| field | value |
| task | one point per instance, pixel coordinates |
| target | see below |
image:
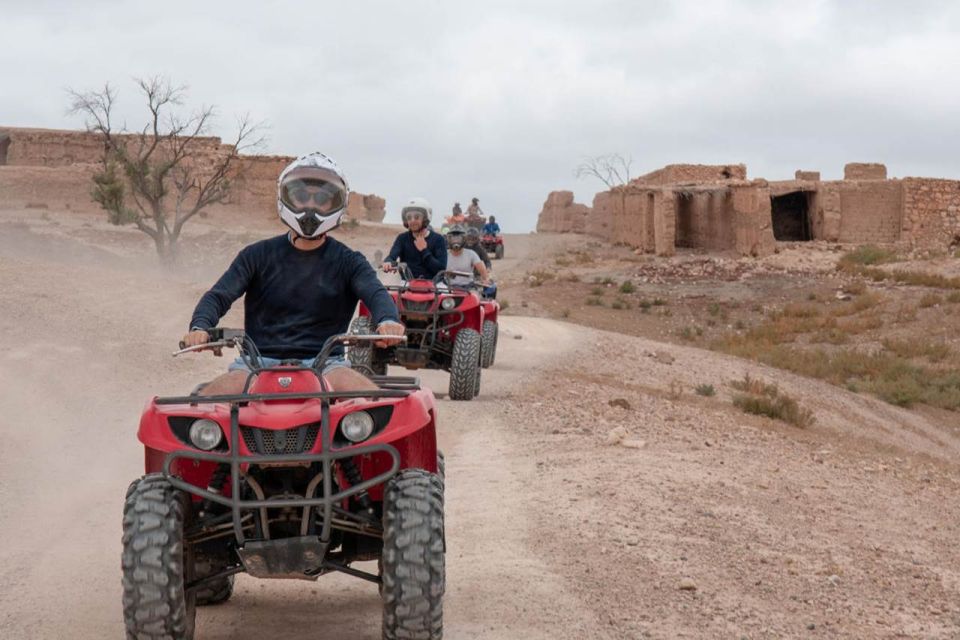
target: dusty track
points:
(847, 526)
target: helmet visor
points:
(313, 194)
(411, 213)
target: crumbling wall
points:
(864, 171)
(825, 213)
(560, 214)
(870, 211)
(931, 212)
(705, 219)
(693, 173)
(369, 207)
(59, 188)
(600, 221)
(811, 176)
(753, 222)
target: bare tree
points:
(161, 176)
(612, 169)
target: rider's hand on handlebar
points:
(198, 337)
(389, 329)
(195, 337)
(388, 267)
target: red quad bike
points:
(287, 479)
(493, 244)
(444, 330)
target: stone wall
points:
(560, 214)
(870, 211)
(48, 168)
(864, 171)
(366, 207)
(931, 212)
(693, 173)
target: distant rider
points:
(457, 211)
(474, 244)
(301, 287)
(491, 228)
(459, 258)
(423, 250)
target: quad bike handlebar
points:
(236, 338)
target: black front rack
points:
(390, 387)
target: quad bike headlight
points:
(357, 426)
(205, 434)
(448, 303)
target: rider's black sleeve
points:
(484, 256)
(396, 249)
(232, 284)
(367, 287)
(435, 255)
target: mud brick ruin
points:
(53, 169)
(715, 207)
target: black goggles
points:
(313, 195)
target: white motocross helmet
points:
(312, 195)
(417, 205)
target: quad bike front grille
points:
(414, 305)
(280, 442)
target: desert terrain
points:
(605, 484)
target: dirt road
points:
(716, 525)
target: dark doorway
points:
(684, 228)
(4, 145)
(791, 217)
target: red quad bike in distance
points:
(445, 325)
(493, 244)
(287, 479)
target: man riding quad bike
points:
(289, 478)
(492, 240)
(449, 323)
(291, 464)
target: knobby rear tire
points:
(465, 365)
(490, 335)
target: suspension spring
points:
(352, 474)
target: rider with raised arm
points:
(460, 258)
(423, 250)
(301, 287)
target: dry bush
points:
(865, 256)
(953, 297)
(705, 390)
(930, 300)
(627, 287)
(537, 278)
(932, 351)
(765, 399)
(856, 288)
(594, 302)
(859, 304)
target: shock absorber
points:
(352, 474)
(217, 479)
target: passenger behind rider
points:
(301, 287)
(475, 217)
(491, 228)
(423, 250)
(457, 211)
(459, 258)
(474, 244)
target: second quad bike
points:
(493, 244)
(444, 327)
(287, 479)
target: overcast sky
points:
(501, 100)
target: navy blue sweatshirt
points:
(295, 299)
(422, 264)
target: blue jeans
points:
(333, 362)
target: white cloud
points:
(501, 99)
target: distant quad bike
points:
(446, 328)
(287, 479)
(493, 243)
